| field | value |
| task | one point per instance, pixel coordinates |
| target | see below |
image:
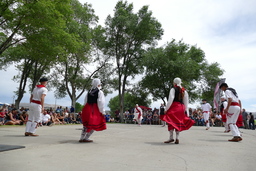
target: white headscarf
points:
(177, 81)
(95, 83)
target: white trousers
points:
(232, 116)
(206, 119)
(137, 119)
(33, 117)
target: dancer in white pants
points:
(36, 107)
(232, 110)
(206, 110)
(138, 114)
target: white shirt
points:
(37, 93)
(229, 94)
(206, 107)
(171, 98)
(46, 118)
(100, 101)
(138, 110)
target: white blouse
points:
(171, 98)
(100, 101)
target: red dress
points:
(176, 117)
(91, 116)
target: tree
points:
(31, 21)
(33, 36)
(78, 107)
(128, 34)
(72, 76)
(177, 59)
(210, 77)
(130, 99)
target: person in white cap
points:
(176, 111)
(206, 110)
(138, 114)
(93, 112)
(36, 107)
(232, 110)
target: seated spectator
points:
(155, 118)
(46, 119)
(65, 115)
(10, 118)
(2, 116)
(149, 118)
(55, 119)
(111, 119)
(212, 118)
(68, 118)
(57, 110)
(23, 117)
(78, 118)
(60, 117)
(73, 118)
(218, 120)
(22, 109)
(107, 117)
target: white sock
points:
(83, 133)
(177, 134)
(88, 134)
(171, 134)
(28, 126)
(33, 127)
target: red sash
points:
(36, 101)
(40, 86)
(139, 113)
(234, 104)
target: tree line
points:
(61, 39)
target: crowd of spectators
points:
(150, 117)
(9, 115)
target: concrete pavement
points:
(127, 147)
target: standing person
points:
(232, 110)
(175, 109)
(162, 109)
(223, 115)
(245, 118)
(36, 107)
(251, 122)
(138, 114)
(93, 112)
(206, 109)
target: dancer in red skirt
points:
(175, 115)
(93, 112)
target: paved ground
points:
(127, 147)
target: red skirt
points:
(239, 122)
(176, 117)
(92, 119)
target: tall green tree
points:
(128, 34)
(178, 59)
(130, 99)
(33, 36)
(72, 76)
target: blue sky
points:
(224, 30)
